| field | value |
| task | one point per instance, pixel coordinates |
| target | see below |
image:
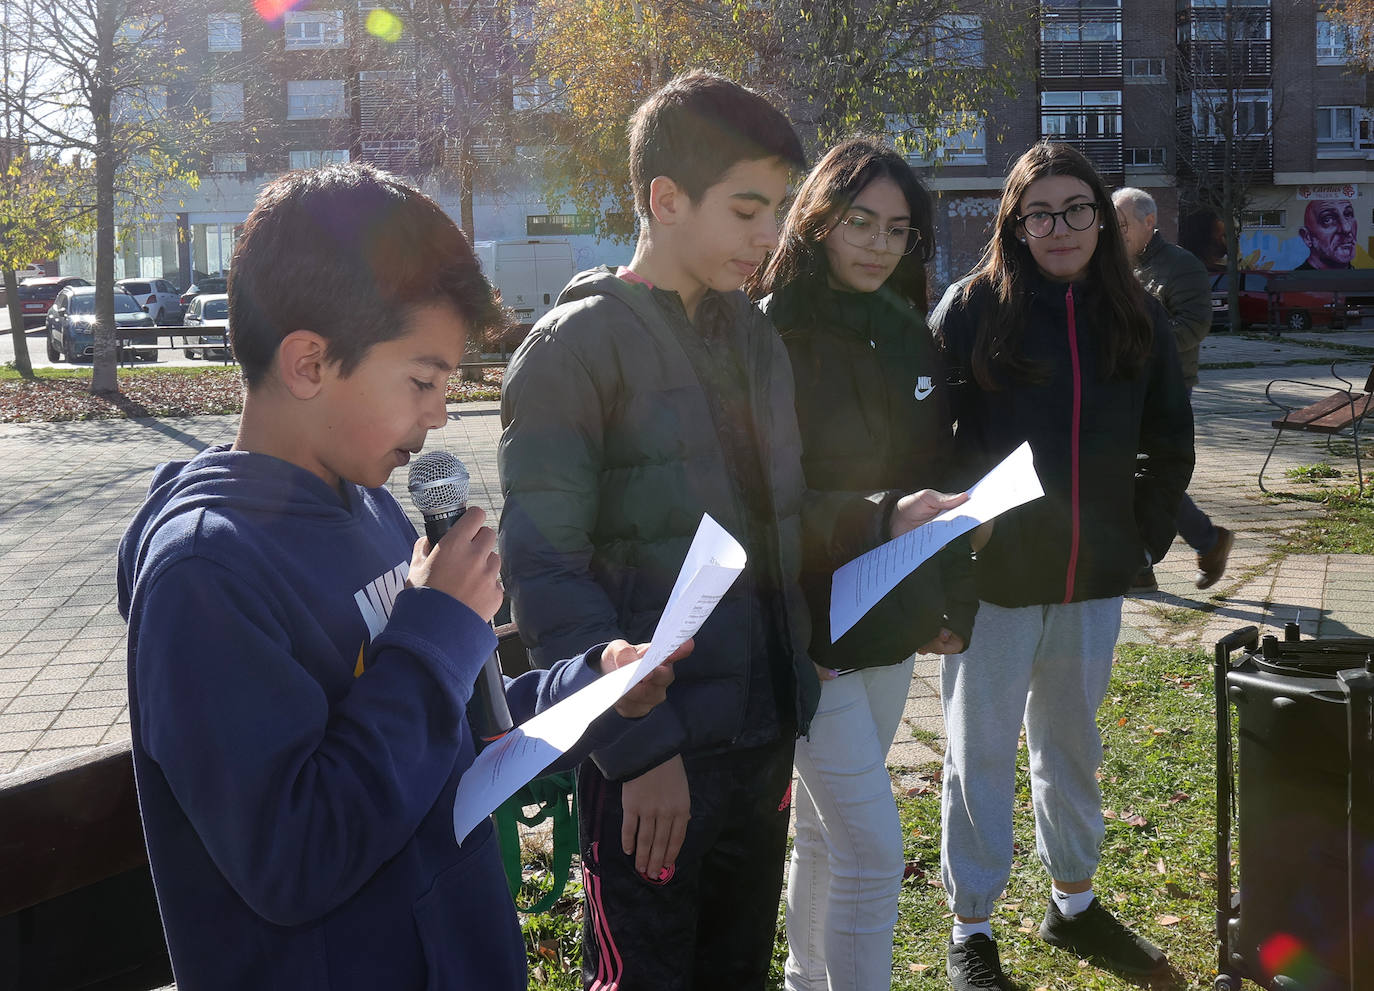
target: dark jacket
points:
(1112, 487)
(611, 452)
(298, 729)
(1183, 287)
(873, 408)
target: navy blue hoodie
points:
(298, 734)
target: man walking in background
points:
(1182, 285)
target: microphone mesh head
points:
(438, 483)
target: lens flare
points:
(1285, 954)
(273, 10)
(384, 24)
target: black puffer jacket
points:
(1112, 487)
(873, 408)
(611, 452)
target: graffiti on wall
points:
(1326, 234)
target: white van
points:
(529, 273)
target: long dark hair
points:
(826, 193)
(1115, 299)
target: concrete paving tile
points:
(75, 736)
(45, 684)
(118, 733)
(22, 674)
(19, 739)
(37, 758)
(39, 703)
(91, 699)
(14, 722)
(108, 682)
(103, 716)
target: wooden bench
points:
(77, 908)
(1340, 410)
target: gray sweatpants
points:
(1049, 665)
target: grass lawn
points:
(1158, 785)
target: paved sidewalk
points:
(67, 491)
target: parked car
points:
(211, 312)
(71, 321)
(157, 296)
(1296, 310)
(37, 295)
(210, 283)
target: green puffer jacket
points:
(609, 456)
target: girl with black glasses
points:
(848, 294)
(1056, 344)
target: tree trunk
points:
(21, 340)
(104, 377)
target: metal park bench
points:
(1339, 410)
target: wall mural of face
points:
(1329, 230)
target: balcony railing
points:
(1104, 153)
(1203, 155)
(1248, 63)
(1076, 59)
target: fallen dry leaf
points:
(1167, 920)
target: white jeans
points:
(847, 861)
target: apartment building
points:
(281, 86)
(1170, 96)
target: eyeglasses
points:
(1078, 217)
(860, 232)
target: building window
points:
(152, 30)
(314, 99)
(1223, 25)
(959, 139)
(138, 103)
(313, 159)
(226, 102)
(522, 26)
(225, 32)
(1250, 115)
(957, 39)
(229, 161)
(1264, 219)
(534, 94)
(1336, 128)
(1144, 68)
(314, 29)
(1089, 114)
(1142, 158)
(1333, 42)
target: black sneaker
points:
(1099, 937)
(974, 966)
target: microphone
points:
(438, 484)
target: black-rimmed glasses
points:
(860, 232)
(1078, 217)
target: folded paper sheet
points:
(713, 562)
(857, 586)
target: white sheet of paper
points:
(714, 560)
(857, 586)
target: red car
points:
(36, 295)
(1296, 310)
